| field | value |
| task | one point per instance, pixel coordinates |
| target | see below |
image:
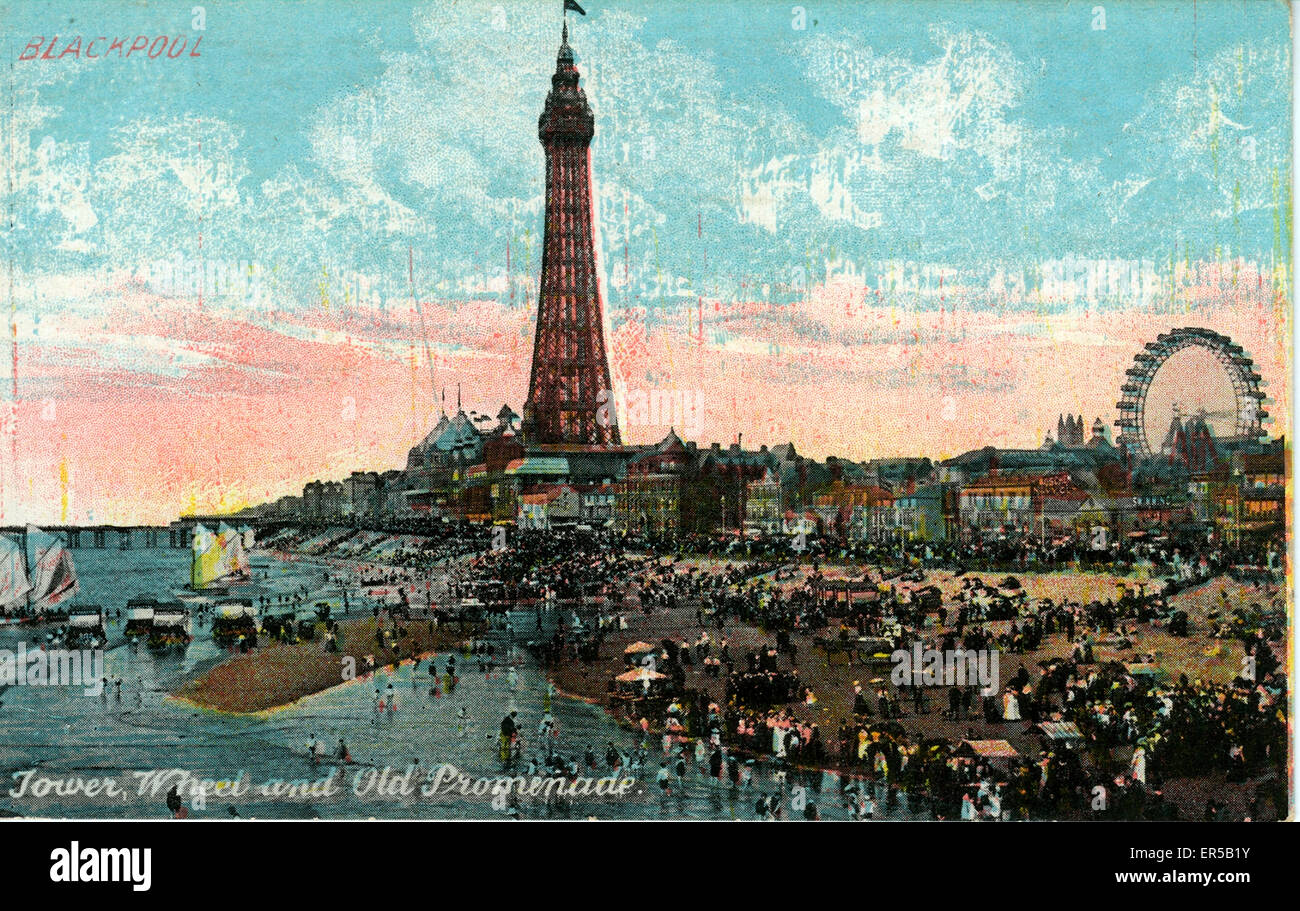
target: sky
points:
(273, 241)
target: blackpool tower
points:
(570, 399)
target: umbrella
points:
(638, 648)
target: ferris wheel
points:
(1248, 415)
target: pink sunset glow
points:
(143, 407)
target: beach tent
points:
(1060, 730)
(987, 749)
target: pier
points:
(119, 537)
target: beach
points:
(275, 675)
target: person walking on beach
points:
(418, 774)
(175, 805)
(509, 728)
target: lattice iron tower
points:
(570, 399)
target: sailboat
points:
(36, 574)
(217, 556)
(14, 584)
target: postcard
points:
(604, 409)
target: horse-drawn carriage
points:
(170, 630)
(139, 616)
(847, 597)
(280, 627)
(234, 620)
(869, 650)
(86, 628)
(929, 599)
(471, 610)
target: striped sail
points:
(233, 560)
(53, 577)
(14, 584)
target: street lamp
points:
(740, 480)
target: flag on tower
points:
(573, 5)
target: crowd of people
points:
(1133, 731)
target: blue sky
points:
(338, 135)
(901, 228)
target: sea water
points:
(66, 754)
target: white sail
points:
(224, 540)
(233, 560)
(249, 538)
(14, 584)
(217, 555)
(206, 557)
(53, 577)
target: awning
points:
(539, 466)
(1061, 730)
(637, 675)
(989, 749)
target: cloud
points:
(1220, 145)
(836, 214)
